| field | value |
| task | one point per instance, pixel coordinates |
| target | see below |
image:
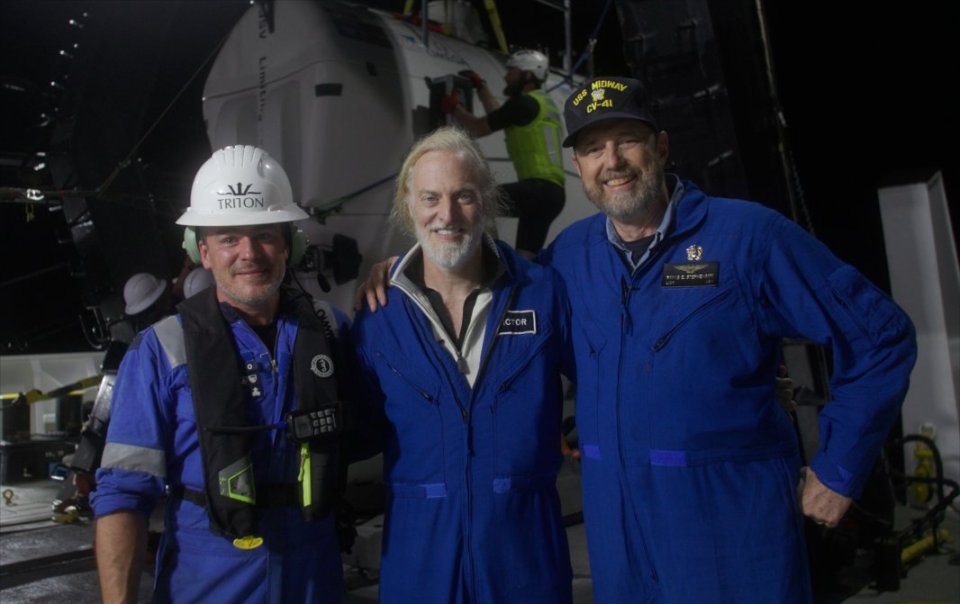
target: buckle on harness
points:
(248, 542)
(307, 426)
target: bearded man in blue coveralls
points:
(464, 368)
(679, 303)
(693, 489)
(200, 407)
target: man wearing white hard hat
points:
(231, 407)
(196, 281)
(146, 299)
(531, 122)
(141, 291)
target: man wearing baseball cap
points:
(679, 303)
(693, 489)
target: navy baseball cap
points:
(605, 99)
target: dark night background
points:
(867, 92)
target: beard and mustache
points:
(515, 89)
(252, 294)
(449, 255)
(628, 204)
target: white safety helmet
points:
(530, 60)
(240, 186)
(196, 281)
(140, 291)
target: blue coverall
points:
(473, 515)
(152, 443)
(690, 466)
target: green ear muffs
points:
(296, 242)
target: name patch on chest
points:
(517, 322)
(691, 274)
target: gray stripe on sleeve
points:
(135, 459)
(170, 334)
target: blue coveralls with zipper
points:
(471, 448)
(690, 466)
(152, 445)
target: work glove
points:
(448, 104)
(474, 78)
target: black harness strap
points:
(223, 425)
(219, 402)
(271, 495)
(316, 387)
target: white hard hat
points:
(196, 280)
(530, 60)
(240, 186)
(142, 290)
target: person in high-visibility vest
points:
(534, 129)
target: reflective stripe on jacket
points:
(152, 443)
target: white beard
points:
(448, 255)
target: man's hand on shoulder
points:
(374, 289)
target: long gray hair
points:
(456, 141)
